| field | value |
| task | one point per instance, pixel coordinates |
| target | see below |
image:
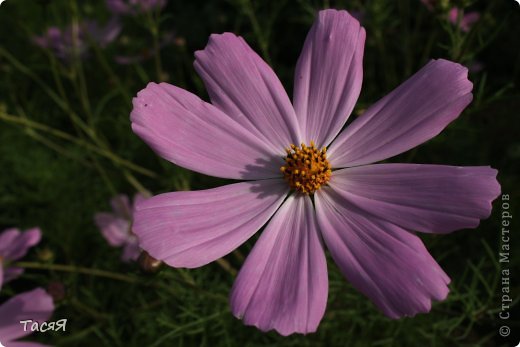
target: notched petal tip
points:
(421, 197)
(495, 189)
(212, 46)
(459, 72)
(141, 101)
(335, 12)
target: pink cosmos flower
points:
(13, 246)
(309, 198)
(116, 227)
(35, 305)
(466, 21)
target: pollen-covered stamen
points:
(306, 168)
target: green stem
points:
(77, 269)
(113, 276)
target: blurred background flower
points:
(455, 15)
(35, 305)
(116, 227)
(465, 21)
(14, 245)
(133, 7)
(73, 41)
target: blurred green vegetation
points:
(66, 148)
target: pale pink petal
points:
(413, 113)
(328, 75)
(35, 305)
(428, 198)
(114, 229)
(7, 238)
(196, 135)
(467, 20)
(388, 264)
(16, 244)
(242, 85)
(10, 274)
(453, 15)
(131, 250)
(191, 229)
(283, 284)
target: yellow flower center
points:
(306, 168)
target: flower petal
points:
(114, 229)
(193, 134)
(7, 237)
(283, 284)
(242, 85)
(15, 244)
(191, 229)
(428, 198)
(329, 75)
(385, 262)
(131, 250)
(413, 113)
(35, 305)
(10, 274)
(138, 198)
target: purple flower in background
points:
(35, 305)
(116, 227)
(13, 246)
(133, 7)
(311, 183)
(102, 35)
(467, 20)
(74, 40)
